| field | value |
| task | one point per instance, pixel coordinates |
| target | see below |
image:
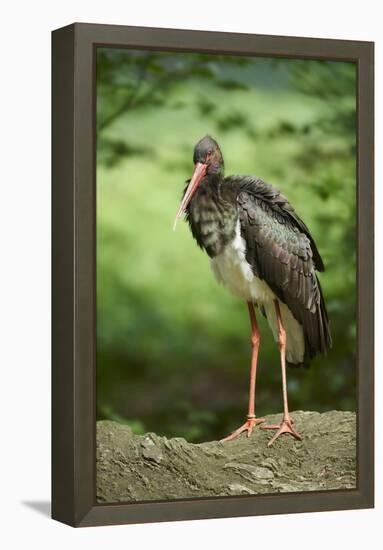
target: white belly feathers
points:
(232, 270)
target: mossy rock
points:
(150, 467)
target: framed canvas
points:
(150, 354)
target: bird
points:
(262, 251)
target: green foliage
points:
(128, 80)
(173, 346)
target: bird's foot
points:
(285, 427)
(248, 426)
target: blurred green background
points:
(173, 346)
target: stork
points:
(262, 251)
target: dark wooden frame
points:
(73, 302)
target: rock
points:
(238, 489)
(151, 467)
(255, 472)
(150, 451)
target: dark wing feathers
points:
(282, 252)
(271, 199)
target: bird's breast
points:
(212, 220)
(232, 269)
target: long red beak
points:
(198, 174)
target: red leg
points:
(255, 341)
(286, 426)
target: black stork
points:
(263, 252)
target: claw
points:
(285, 427)
(248, 427)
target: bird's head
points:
(208, 161)
(208, 153)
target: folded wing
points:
(282, 252)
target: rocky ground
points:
(150, 467)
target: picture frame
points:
(74, 273)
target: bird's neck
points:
(212, 219)
(212, 180)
